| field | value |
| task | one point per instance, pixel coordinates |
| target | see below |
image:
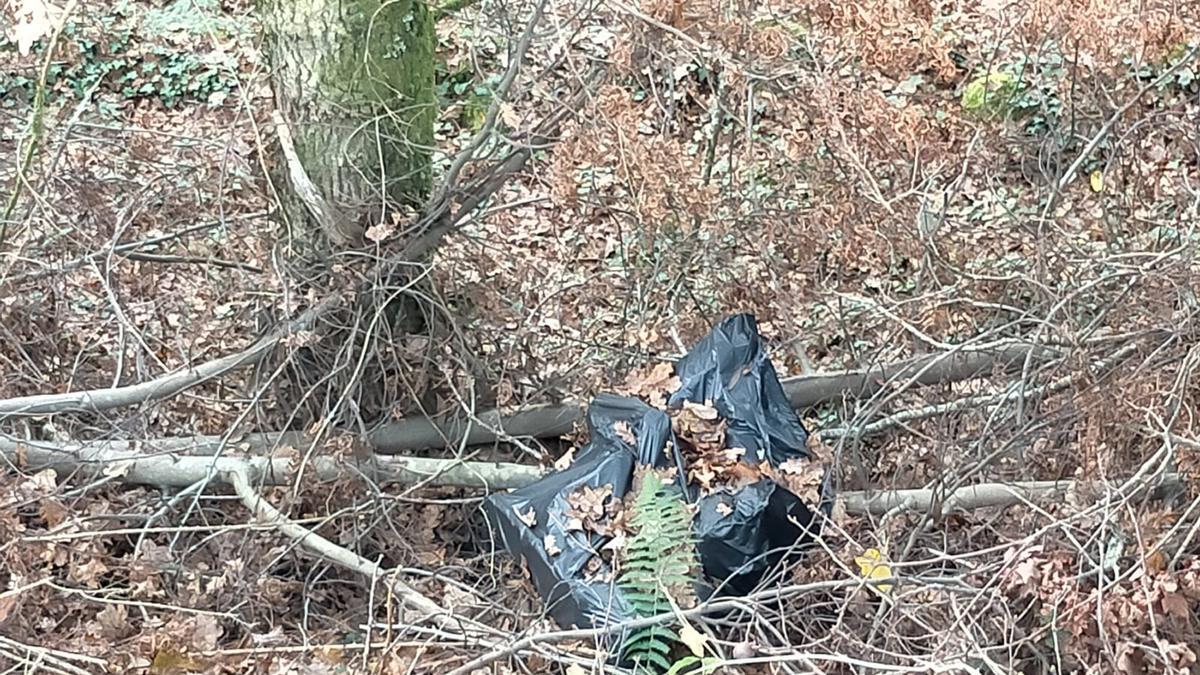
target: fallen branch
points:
(804, 391)
(130, 463)
(240, 479)
(972, 402)
(970, 497)
(50, 660)
(547, 421)
(939, 368)
(193, 260)
(416, 433)
(94, 400)
(162, 464)
(241, 473)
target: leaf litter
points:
(873, 113)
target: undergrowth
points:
(160, 55)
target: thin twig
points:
(54, 657)
(193, 260)
(715, 606)
(123, 249)
(499, 97)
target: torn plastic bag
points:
(729, 369)
(527, 519)
(740, 535)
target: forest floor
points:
(834, 169)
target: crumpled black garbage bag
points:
(763, 522)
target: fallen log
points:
(163, 464)
(977, 496)
(544, 421)
(146, 463)
(550, 421)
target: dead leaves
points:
(53, 512)
(562, 463)
(702, 413)
(699, 424)
(621, 427)
(593, 510)
(529, 517)
(168, 661)
(42, 483)
(1150, 599)
(701, 432)
(184, 638)
(111, 623)
(590, 511)
(802, 477)
(89, 572)
(652, 385)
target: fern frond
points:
(657, 568)
(648, 658)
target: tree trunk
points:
(355, 109)
(354, 81)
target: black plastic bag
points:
(740, 535)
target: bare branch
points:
(938, 368)
(499, 97)
(979, 496)
(803, 391)
(441, 218)
(971, 402)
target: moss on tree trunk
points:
(355, 81)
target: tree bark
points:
(354, 83)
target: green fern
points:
(658, 567)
